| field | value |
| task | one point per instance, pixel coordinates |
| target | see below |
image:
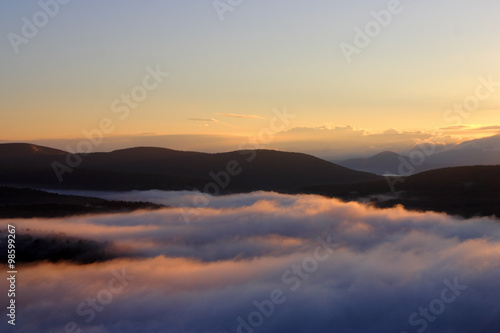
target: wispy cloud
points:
(454, 128)
(246, 116)
(488, 128)
(210, 120)
(466, 128)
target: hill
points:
(28, 203)
(465, 191)
(145, 168)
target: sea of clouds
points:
(264, 262)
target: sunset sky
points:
(226, 76)
(244, 166)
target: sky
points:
(326, 266)
(222, 69)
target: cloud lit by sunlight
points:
(204, 275)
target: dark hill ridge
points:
(28, 203)
(269, 164)
(466, 191)
(144, 168)
(13, 150)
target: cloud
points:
(392, 131)
(377, 268)
(454, 128)
(488, 128)
(468, 129)
(210, 120)
(233, 115)
(343, 142)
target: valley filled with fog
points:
(260, 262)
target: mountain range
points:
(485, 151)
(466, 191)
(146, 168)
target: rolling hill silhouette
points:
(145, 168)
(465, 191)
(28, 203)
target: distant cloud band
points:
(203, 119)
(246, 116)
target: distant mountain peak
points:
(385, 154)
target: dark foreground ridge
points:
(465, 191)
(29, 203)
